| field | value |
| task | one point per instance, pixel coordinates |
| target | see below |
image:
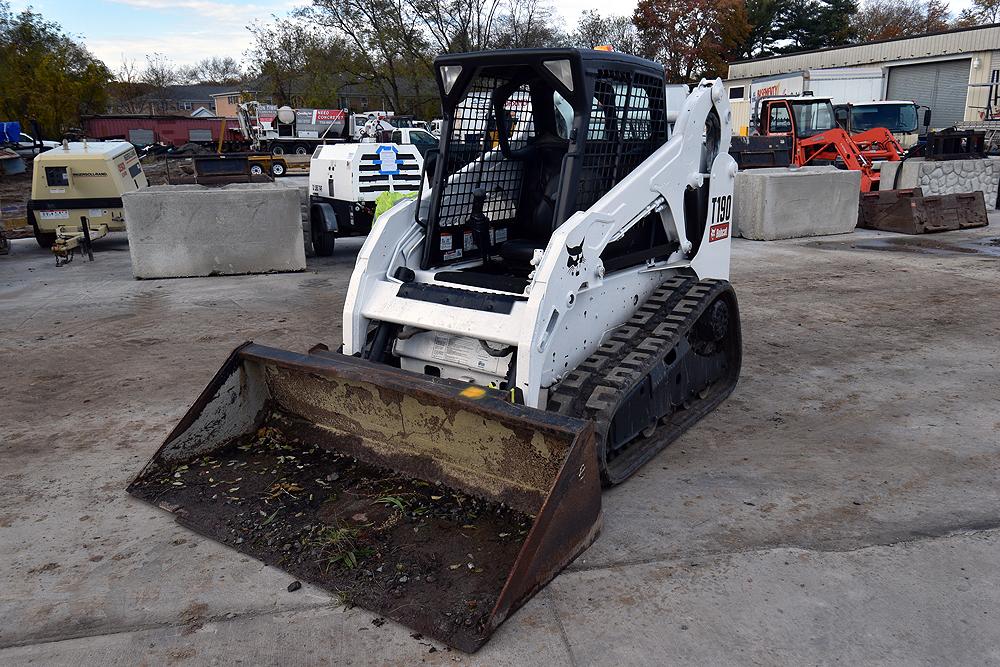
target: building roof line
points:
(854, 46)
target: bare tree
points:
(459, 25)
(278, 56)
(387, 47)
(981, 12)
(129, 92)
(591, 30)
(618, 32)
(527, 24)
(158, 76)
(221, 71)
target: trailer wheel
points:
(277, 149)
(44, 239)
(323, 242)
(322, 229)
(277, 168)
(301, 149)
(256, 170)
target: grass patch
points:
(340, 547)
(392, 501)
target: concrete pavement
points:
(841, 506)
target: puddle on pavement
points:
(924, 245)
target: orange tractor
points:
(817, 139)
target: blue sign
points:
(387, 162)
(10, 133)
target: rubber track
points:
(597, 387)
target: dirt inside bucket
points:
(425, 555)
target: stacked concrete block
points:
(782, 203)
(944, 177)
(177, 231)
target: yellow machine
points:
(76, 192)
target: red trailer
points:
(171, 130)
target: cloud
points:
(227, 36)
(182, 49)
(223, 12)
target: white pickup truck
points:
(419, 138)
(28, 147)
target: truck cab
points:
(28, 146)
(419, 138)
(900, 117)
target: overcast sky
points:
(186, 31)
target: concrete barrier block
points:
(789, 203)
(944, 177)
(301, 185)
(177, 231)
(899, 175)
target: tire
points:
(277, 169)
(300, 149)
(256, 169)
(277, 149)
(323, 243)
(322, 240)
(44, 239)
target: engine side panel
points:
(572, 301)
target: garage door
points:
(943, 86)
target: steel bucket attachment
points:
(439, 505)
(910, 212)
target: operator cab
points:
(529, 138)
(802, 117)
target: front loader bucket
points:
(910, 212)
(439, 505)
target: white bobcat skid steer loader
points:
(550, 313)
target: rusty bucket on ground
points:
(910, 212)
(437, 504)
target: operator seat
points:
(542, 159)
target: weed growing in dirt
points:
(339, 546)
(393, 501)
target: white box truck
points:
(842, 85)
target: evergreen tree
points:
(815, 24)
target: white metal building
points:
(945, 71)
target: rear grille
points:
(384, 174)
